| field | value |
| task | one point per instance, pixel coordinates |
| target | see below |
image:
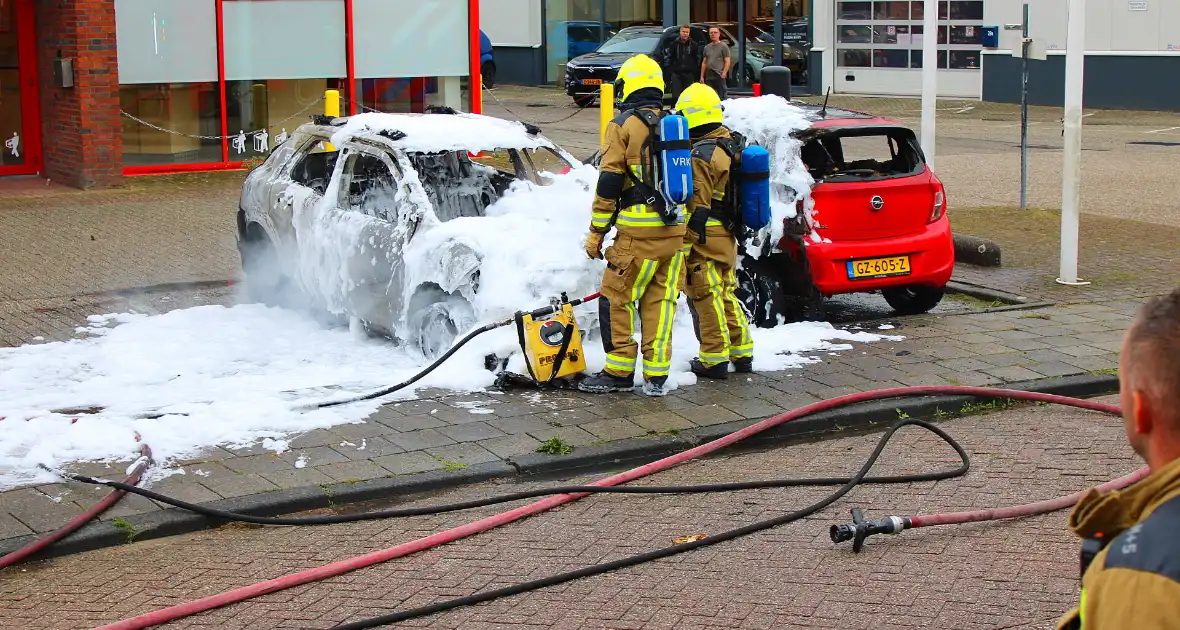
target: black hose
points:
(413, 379)
(606, 567)
(529, 494)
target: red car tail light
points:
(939, 206)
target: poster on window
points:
(969, 31)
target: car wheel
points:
(435, 319)
(265, 281)
(584, 100)
(913, 300)
(488, 73)
(762, 295)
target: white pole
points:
(929, 76)
(1071, 178)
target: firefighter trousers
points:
(710, 282)
(641, 282)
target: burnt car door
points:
(299, 185)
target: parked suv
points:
(879, 224)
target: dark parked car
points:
(585, 75)
(581, 37)
(487, 61)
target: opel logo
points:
(877, 203)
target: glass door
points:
(19, 155)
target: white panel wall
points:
(1110, 24)
(511, 22)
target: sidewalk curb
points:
(976, 251)
(623, 453)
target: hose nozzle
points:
(861, 529)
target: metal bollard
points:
(331, 108)
(606, 110)
(776, 80)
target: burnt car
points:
(327, 220)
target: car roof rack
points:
(531, 128)
(392, 134)
(440, 109)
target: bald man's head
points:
(1150, 380)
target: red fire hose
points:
(434, 540)
(76, 523)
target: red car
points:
(879, 225)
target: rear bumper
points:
(931, 252)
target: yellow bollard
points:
(332, 109)
(606, 110)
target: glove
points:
(697, 223)
(594, 244)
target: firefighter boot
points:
(718, 371)
(744, 365)
(654, 386)
(604, 382)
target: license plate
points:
(591, 81)
(879, 267)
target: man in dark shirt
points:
(681, 59)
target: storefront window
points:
(408, 60)
(624, 13)
(269, 88)
(878, 34)
(11, 123)
(168, 81)
(572, 28)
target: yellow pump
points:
(544, 340)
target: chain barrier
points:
(489, 92)
(231, 136)
(257, 132)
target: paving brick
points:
(471, 432)
(572, 435)
(298, 477)
(352, 471)
(359, 431)
(466, 453)
(708, 415)
(314, 456)
(523, 424)
(1013, 373)
(11, 528)
(416, 440)
(509, 445)
(1082, 351)
(311, 439)
(662, 421)
(258, 464)
(615, 429)
(367, 448)
(406, 424)
(1054, 368)
(408, 463)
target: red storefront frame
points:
(30, 88)
(474, 80)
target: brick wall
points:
(81, 128)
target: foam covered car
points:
(331, 218)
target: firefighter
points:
(646, 259)
(710, 280)
(1131, 546)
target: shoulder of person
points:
(1151, 545)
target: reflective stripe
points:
(656, 368)
(646, 273)
(663, 341)
(741, 352)
(621, 364)
(739, 313)
(717, 301)
(710, 358)
(1082, 610)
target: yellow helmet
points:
(700, 105)
(640, 72)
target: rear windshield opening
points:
(859, 154)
